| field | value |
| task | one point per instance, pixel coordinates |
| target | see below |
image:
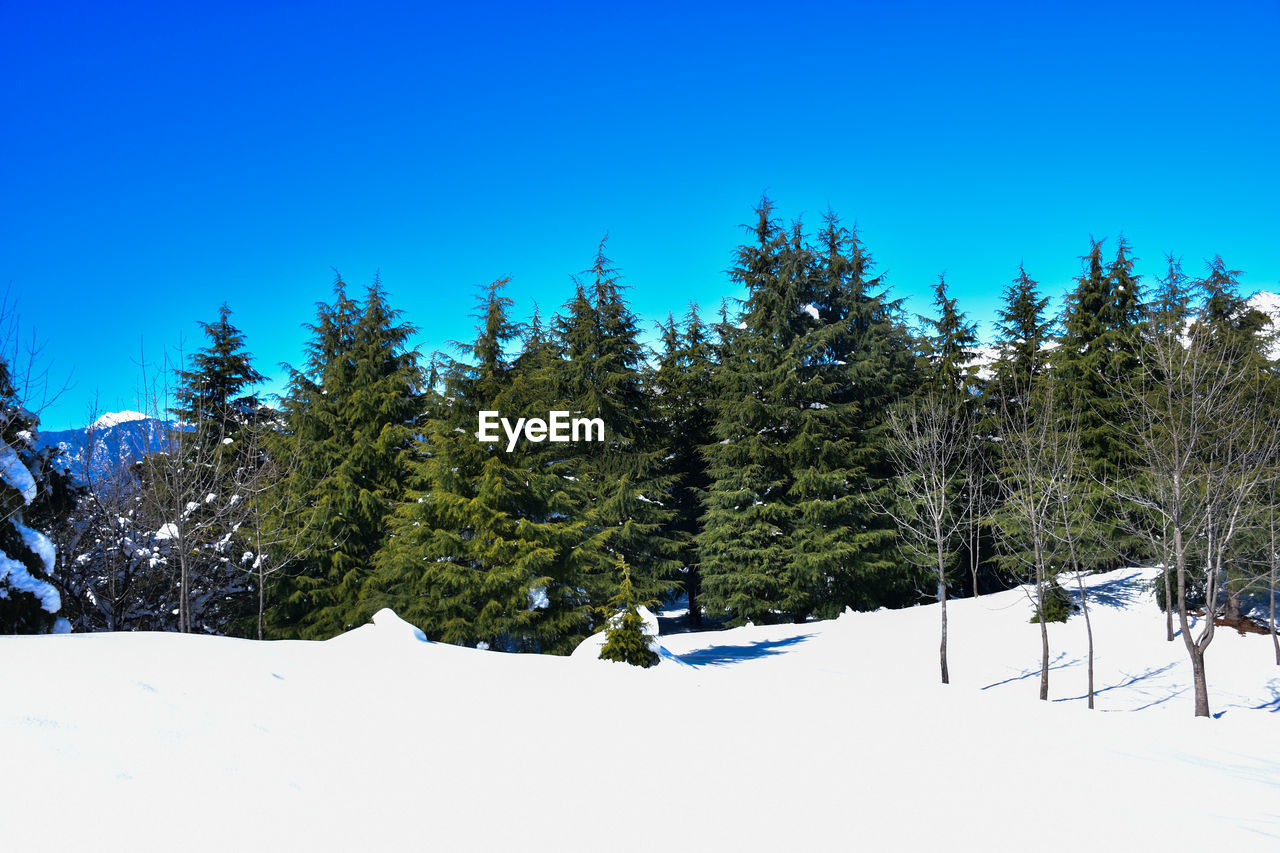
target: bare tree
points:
(270, 528)
(193, 486)
(1034, 462)
(927, 449)
(1208, 446)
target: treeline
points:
(813, 450)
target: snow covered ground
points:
(830, 735)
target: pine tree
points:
(34, 497)
(1098, 352)
(626, 640)
(1022, 330)
(684, 385)
(790, 526)
(619, 487)
(352, 412)
(482, 552)
(949, 344)
(211, 392)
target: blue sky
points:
(159, 159)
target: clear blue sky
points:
(158, 159)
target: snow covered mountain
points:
(116, 439)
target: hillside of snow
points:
(826, 735)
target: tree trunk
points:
(1233, 609)
(1197, 677)
(942, 593)
(1088, 630)
(1168, 603)
(695, 609)
(1275, 638)
(262, 599)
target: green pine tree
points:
(352, 413)
(626, 640)
(482, 550)
(791, 528)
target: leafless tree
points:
(1033, 464)
(927, 449)
(1208, 447)
(270, 529)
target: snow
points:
(168, 530)
(15, 474)
(111, 419)
(826, 735)
(15, 576)
(39, 545)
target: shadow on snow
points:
(725, 655)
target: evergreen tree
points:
(352, 413)
(626, 640)
(1098, 352)
(684, 385)
(790, 526)
(211, 392)
(949, 344)
(619, 487)
(482, 551)
(34, 497)
(1021, 333)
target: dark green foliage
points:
(790, 528)
(684, 386)
(1021, 333)
(482, 548)
(619, 488)
(626, 640)
(949, 345)
(351, 413)
(1098, 354)
(211, 391)
(1055, 602)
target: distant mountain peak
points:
(111, 419)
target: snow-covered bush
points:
(29, 487)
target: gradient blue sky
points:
(158, 159)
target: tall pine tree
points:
(352, 413)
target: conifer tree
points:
(1022, 329)
(352, 411)
(1099, 351)
(34, 496)
(619, 487)
(684, 385)
(482, 550)
(790, 527)
(626, 640)
(949, 344)
(210, 392)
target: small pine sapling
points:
(626, 640)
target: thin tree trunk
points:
(1168, 601)
(262, 597)
(1271, 558)
(1275, 639)
(695, 609)
(942, 597)
(1088, 630)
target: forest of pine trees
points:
(810, 449)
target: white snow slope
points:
(830, 735)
